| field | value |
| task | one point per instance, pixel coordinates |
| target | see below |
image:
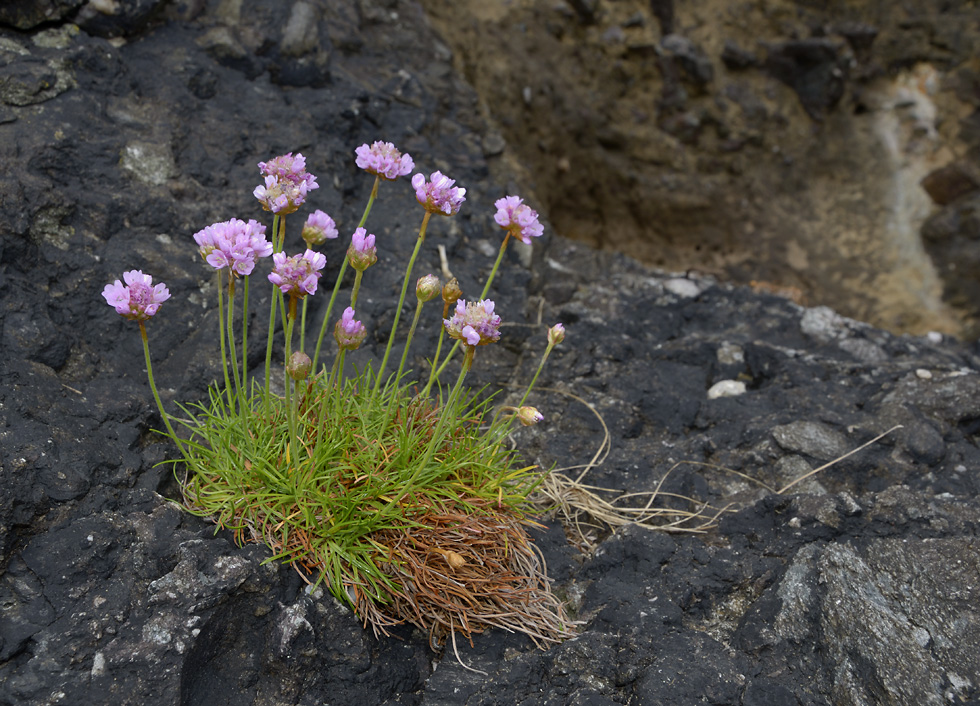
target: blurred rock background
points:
(827, 150)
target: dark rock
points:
(946, 184)
(736, 58)
(860, 36)
(585, 9)
(663, 10)
(28, 14)
(118, 19)
(694, 63)
(950, 236)
(811, 67)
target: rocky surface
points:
(781, 142)
(123, 134)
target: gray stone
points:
(814, 439)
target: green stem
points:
(448, 410)
(357, 288)
(290, 402)
(401, 301)
(435, 359)
(401, 367)
(326, 316)
(302, 327)
(408, 343)
(340, 276)
(510, 420)
(496, 266)
(272, 316)
(483, 295)
(231, 336)
(221, 336)
(156, 395)
(245, 331)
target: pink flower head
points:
(474, 324)
(286, 183)
(383, 159)
(529, 416)
(518, 218)
(556, 334)
(298, 275)
(438, 195)
(362, 254)
(318, 229)
(348, 332)
(139, 299)
(234, 244)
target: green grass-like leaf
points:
(359, 471)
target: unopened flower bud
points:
(451, 291)
(298, 367)
(362, 254)
(350, 334)
(427, 288)
(556, 334)
(529, 416)
(319, 228)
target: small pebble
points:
(726, 388)
(682, 287)
(935, 337)
(923, 374)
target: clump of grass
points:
(408, 506)
(440, 544)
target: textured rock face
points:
(780, 142)
(119, 141)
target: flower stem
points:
(245, 331)
(401, 301)
(408, 342)
(357, 288)
(276, 247)
(448, 410)
(435, 358)
(544, 358)
(340, 275)
(290, 401)
(302, 327)
(231, 337)
(221, 336)
(401, 366)
(156, 395)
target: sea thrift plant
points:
(518, 218)
(318, 229)
(139, 299)
(407, 504)
(438, 195)
(384, 160)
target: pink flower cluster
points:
(474, 324)
(139, 299)
(298, 275)
(384, 160)
(519, 218)
(318, 229)
(362, 254)
(286, 183)
(438, 195)
(234, 244)
(349, 333)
